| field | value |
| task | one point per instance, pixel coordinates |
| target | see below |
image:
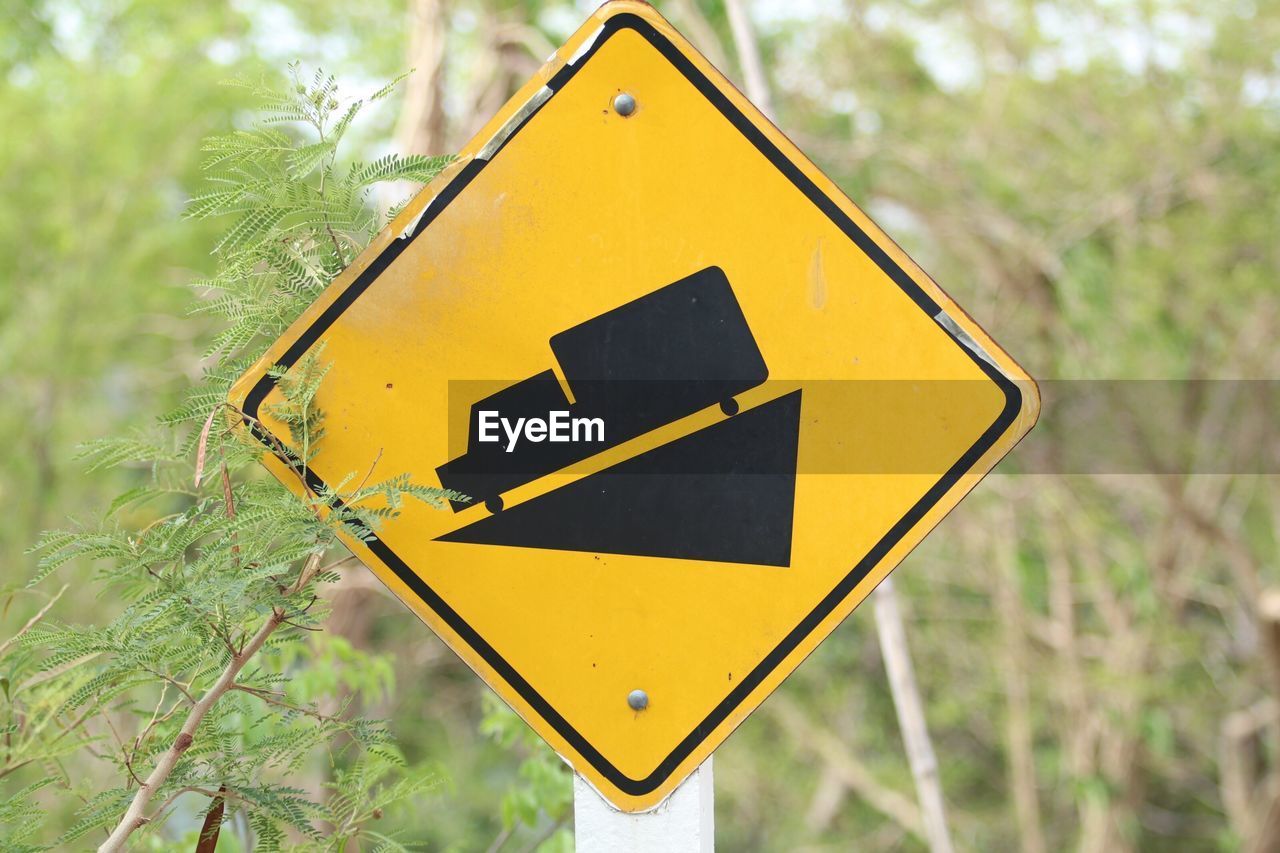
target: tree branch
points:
(135, 816)
(841, 761)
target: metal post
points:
(683, 823)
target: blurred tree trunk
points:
(1019, 733)
(688, 18)
(889, 625)
(748, 49)
(513, 50)
(422, 125)
(907, 702)
(1250, 789)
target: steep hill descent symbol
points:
(724, 493)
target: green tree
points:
(191, 683)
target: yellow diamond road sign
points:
(703, 403)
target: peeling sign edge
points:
(1027, 416)
(585, 46)
(413, 223)
(502, 134)
(509, 126)
(943, 319)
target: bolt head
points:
(638, 700)
(624, 104)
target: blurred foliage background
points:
(1096, 182)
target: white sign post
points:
(683, 823)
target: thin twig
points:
(155, 715)
(182, 688)
(125, 754)
(501, 840)
(281, 451)
(546, 834)
(272, 697)
(194, 789)
(228, 498)
(31, 623)
(336, 563)
(369, 473)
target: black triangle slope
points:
(724, 493)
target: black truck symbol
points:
(642, 365)
(725, 492)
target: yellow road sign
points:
(787, 403)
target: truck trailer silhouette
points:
(652, 361)
(726, 491)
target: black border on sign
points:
(744, 688)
